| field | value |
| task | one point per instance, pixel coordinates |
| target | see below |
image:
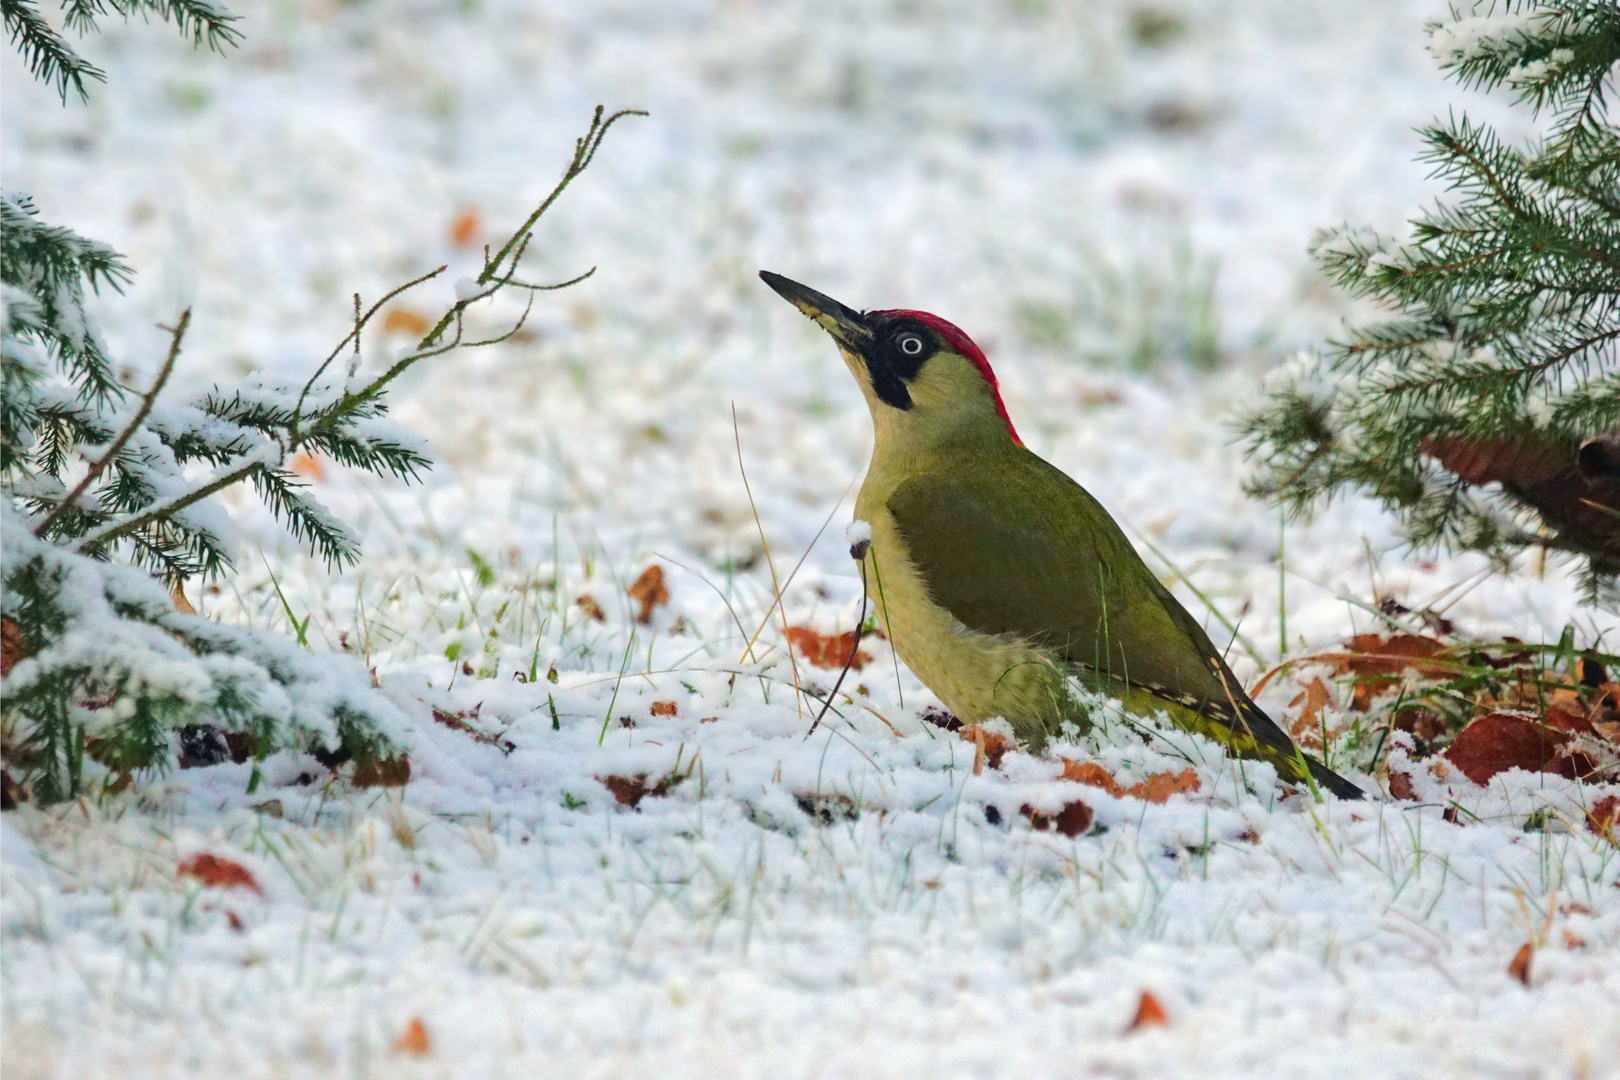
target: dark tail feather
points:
(1332, 781)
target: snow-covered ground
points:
(1104, 195)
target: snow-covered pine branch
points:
(1466, 410)
(94, 473)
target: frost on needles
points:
(106, 497)
(1484, 411)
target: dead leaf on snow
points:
(1501, 741)
(1604, 817)
(217, 873)
(587, 603)
(827, 650)
(1400, 786)
(630, 790)
(649, 592)
(1307, 726)
(1519, 966)
(1073, 820)
(1149, 1013)
(1157, 788)
(663, 708)
(1378, 662)
(414, 1040)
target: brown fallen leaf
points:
(464, 227)
(649, 592)
(1400, 786)
(1073, 820)
(664, 708)
(587, 603)
(1500, 741)
(12, 648)
(373, 772)
(1378, 662)
(1157, 788)
(217, 873)
(1149, 1013)
(630, 790)
(407, 322)
(1160, 786)
(828, 650)
(1307, 727)
(414, 1040)
(1519, 966)
(1604, 817)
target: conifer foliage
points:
(1485, 410)
(106, 494)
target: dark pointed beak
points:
(847, 326)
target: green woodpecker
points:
(996, 577)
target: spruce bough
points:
(99, 520)
(1485, 411)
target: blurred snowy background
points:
(1114, 198)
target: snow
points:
(843, 905)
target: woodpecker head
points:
(920, 374)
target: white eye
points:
(911, 345)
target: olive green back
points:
(1016, 547)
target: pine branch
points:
(177, 335)
(49, 57)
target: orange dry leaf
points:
(1378, 662)
(217, 873)
(1604, 817)
(1149, 1013)
(649, 592)
(1089, 772)
(1160, 786)
(405, 321)
(305, 464)
(828, 650)
(1519, 966)
(587, 603)
(177, 594)
(464, 229)
(664, 708)
(1307, 727)
(1155, 789)
(414, 1041)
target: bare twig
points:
(430, 345)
